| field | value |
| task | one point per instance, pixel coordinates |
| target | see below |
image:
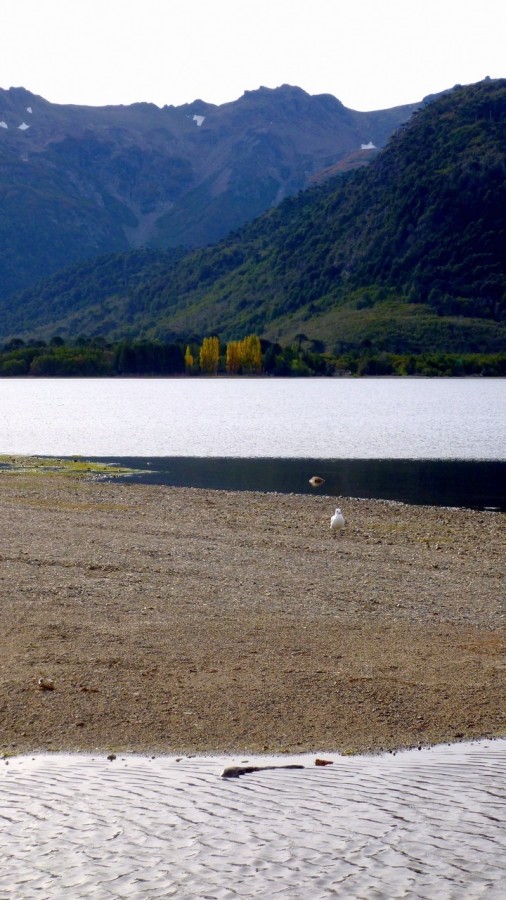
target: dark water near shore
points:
(473, 484)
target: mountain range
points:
(77, 181)
(406, 254)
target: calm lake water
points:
(422, 440)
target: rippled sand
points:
(417, 824)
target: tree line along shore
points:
(97, 357)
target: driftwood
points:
(237, 771)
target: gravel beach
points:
(179, 620)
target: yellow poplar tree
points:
(188, 360)
(209, 356)
(251, 354)
(233, 357)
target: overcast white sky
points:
(371, 54)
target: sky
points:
(370, 54)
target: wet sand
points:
(179, 620)
(414, 824)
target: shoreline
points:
(186, 620)
(308, 759)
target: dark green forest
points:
(385, 268)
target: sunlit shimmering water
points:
(347, 418)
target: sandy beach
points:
(176, 620)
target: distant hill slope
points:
(77, 182)
(84, 290)
(406, 255)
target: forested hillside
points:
(406, 255)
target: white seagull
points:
(337, 521)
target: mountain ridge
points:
(80, 181)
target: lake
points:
(414, 439)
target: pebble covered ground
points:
(186, 620)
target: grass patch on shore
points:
(75, 467)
